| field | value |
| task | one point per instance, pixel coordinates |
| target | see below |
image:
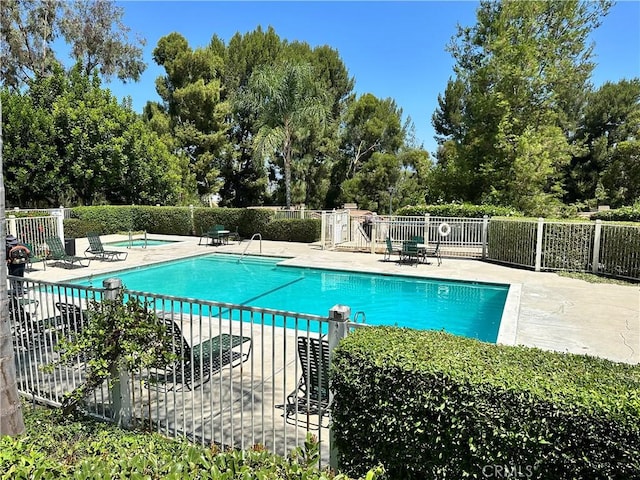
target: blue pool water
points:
(140, 242)
(463, 308)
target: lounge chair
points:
(96, 249)
(198, 362)
(28, 331)
(33, 258)
(390, 250)
(73, 319)
(312, 392)
(59, 256)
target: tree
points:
(370, 125)
(191, 92)
(94, 31)
(521, 76)
(68, 141)
(99, 39)
(11, 421)
(609, 128)
(290, 106)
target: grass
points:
(592, 278)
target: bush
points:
(623, 214)
(77, 228)
(58, 447)
(293, 230)
(465, 210)
(433, 405)
(247, 220)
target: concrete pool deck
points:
(554, 312)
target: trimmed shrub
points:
(59, 448)
(77, 228)
(623, 214)
(293, 230)
(465, 210)
(247, 221)
(163, 220)
(433, 405)
(109, 219)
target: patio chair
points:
(59, 256)
(410, 253)
(196, 364)
(391, 250)
(433, 252)
(312, 392)
(97, 250)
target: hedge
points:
(64, 448)
(464, 210)
(623, 214)
(293, 230)
(433, 405)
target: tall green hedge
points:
(433, 405)
(187, 221)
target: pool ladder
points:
(248, 244)
(131, 239)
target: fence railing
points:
(34, 230)
(594, 247)
(238, 397)
(458, 237)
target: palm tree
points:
(11, 422)
(290, 104)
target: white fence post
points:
(595, 263)
(485, 235)
(539, 237)
(425, 234)
(120, 394)
(59, 215)
(323, 229)
(338, 316)
(374, 232)
(12, 226)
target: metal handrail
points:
(251, 240)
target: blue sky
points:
(392, 49)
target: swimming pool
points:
(465, 308)
(141, 242)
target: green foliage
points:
(522, 74)
(57, 447)
(622, 214)
(72, 142)
(465, 210)
(512, 241)
(118, 336)
(247, 221)
(78, 228)
(433, 405)
(163, 220)
(111, 219)
(293, 230)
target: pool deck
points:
(549, 311)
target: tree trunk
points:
(11, 422)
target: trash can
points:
(70, 246)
